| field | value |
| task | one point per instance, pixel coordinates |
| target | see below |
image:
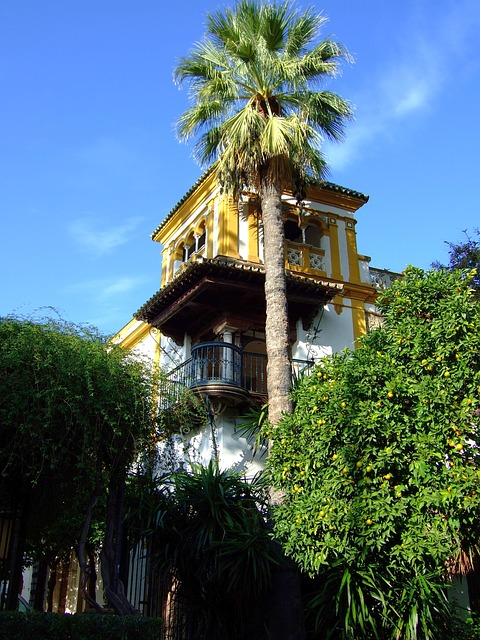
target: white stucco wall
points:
(343, 250)
(221, 438)
(330, 332)
(173, 354)
(364, 271)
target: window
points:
(189, 247)
(292, 231)
(312, 235)
(201, 241)
(188, 251)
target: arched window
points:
(189, 247)
(293, 233)
(313, 235)
(201, 237)
(177, 257)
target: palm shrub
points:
(210, 543)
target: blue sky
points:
(89, 162)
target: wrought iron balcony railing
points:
(222, 363)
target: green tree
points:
(380, 463)
(260, 114)
(464, 255)
(75, 413)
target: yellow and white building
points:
(206, 323)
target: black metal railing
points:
(219, 362)
(226, 364)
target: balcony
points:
(225, 370)
(303, 257)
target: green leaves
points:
(73, 410)
(254, 84)
(379, 461)
(207, 529)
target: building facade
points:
(206, 323)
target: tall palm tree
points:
(260, 115)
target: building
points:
(206, 323)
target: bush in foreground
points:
(58, 626)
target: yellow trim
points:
(332, 198)
(233, 229)
(335, 252)
(199, 198)
(200, 226)
(228, 222)
(157, 351)
(253, 240)
(353, 265)
(166, 264)
(132, 334)
(209, 225)
(222, 228)
(359, 321)
(362, 291)
(176, 253)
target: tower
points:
(206, 323)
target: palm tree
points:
(208, 535)
(260, 115)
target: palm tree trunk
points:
(285, 619)
(276, 325)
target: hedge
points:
(83, 626)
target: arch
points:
(201, 235)
(293, 232)
(254, 345)
(189, 247)
(313, 235)
(178, 251)
(200, 226)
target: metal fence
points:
(226, 364)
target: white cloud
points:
(415, 98)
(104, 289)
(99, 242)
(359, 133)
(429, 57)
(120, 286)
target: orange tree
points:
(380, 466)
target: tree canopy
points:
(464, 255)
(75, 412)
(255, 82)
(260, 113)
(68, 401)
(379, 461)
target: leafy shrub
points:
(379, 462)
(57, 626)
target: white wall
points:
(330, 332)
